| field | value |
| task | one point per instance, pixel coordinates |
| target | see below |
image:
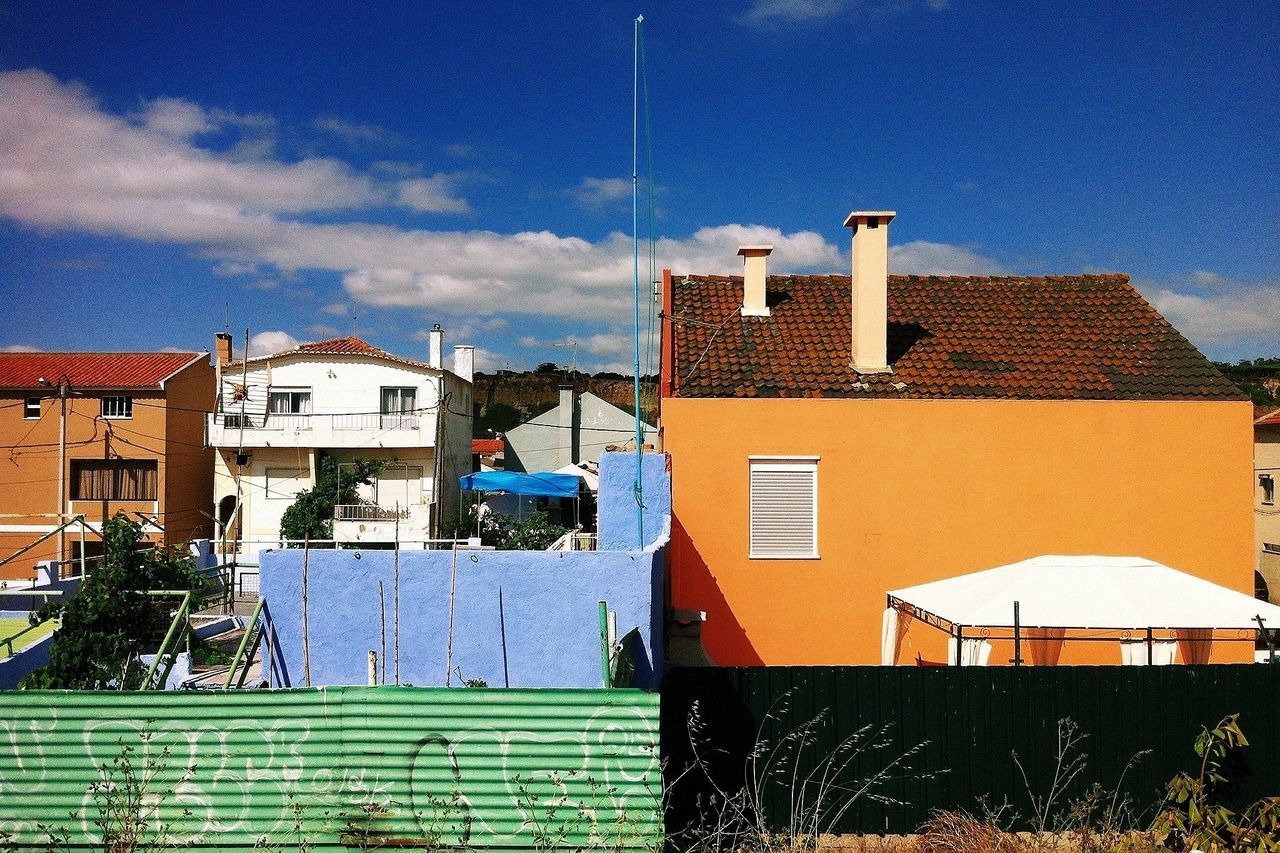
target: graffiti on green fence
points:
(427, 767)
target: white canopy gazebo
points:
(580, 469)
(1117, 599)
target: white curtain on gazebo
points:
(893, 627)
(972, 652)
(1134, 652)
(1113, 595)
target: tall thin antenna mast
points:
(637, 486)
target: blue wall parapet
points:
(617, 500)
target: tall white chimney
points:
(870, 289)
(565, 437)
(435, 347)
(464, 362)
(754, 270)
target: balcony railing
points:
(367, 512)
(234, 420)
(574, 540)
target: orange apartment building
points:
(969, 423)
(134, 443)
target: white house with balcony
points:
(278, 415)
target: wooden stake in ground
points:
(395, 594)
(453, 586)
(382, 608)
(306, 637)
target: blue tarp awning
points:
(548, 485)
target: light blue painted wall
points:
(538, 608)
(18, 665)
(534, 611)
(617, 503)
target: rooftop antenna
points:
(637, 486)
(572, 344)
(226, 316)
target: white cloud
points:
(263, 284)
(1208, 277)
(436, 194)
(1234, 315)
(791, 11)
(67, 163)
(355, 132)
(487, 360)
(772, 13)
(18, 348)
(176, 117)
(604, 343)
(595, 193)
(230, 268)
(464, 331)
(921, 257)
(266, 343)
(462, 151)
(320, 330)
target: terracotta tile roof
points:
(341, 346)
(486, 445)
(1086, 337)
(124, 370)
(1271, 420)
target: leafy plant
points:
(127, 800)
(110, 619)
(533, 532)
(554, 819)
(819, 785)
(310, 516)
(1194, 816)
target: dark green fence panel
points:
(959, 728)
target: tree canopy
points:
(111, 620)
(311, 514)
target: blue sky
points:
(323, 169)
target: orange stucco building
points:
(134, 444)
(994, 419)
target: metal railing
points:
(270, 421)
(368, 512)
(247, 585)
(179, 628)
(574, 541)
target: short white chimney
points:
(464, 362)
(754, 270)
(870, 289)
(435, 347)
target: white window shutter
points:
(784, 509)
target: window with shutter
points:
(784, 508)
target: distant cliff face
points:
(505, 399)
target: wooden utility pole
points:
(63, 388)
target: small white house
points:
(277, 415)
(577, 430)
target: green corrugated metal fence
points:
(351, 766)
(970, 721)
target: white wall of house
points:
(570, 433)
(343, 417)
